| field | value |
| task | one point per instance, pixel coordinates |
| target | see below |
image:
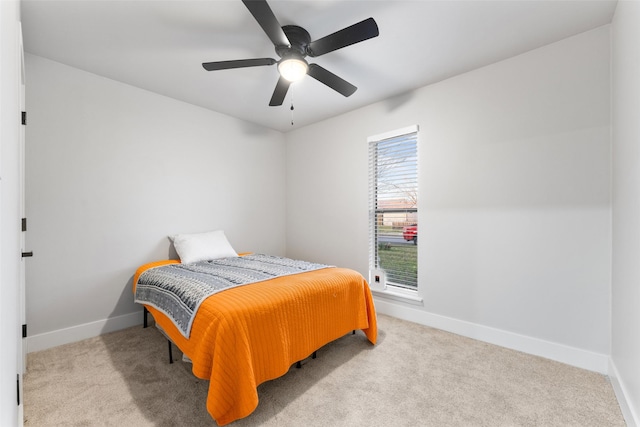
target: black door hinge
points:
(24, 224)
(24, 117)
(18, 389)
(24, 331)
(27, 254)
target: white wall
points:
(9, 212)
(514, 199)
(111, 171)
(625, 336)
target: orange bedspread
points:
(247, 335)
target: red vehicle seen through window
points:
(410, 232)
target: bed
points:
(248, 334)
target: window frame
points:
(377, 276)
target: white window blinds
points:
(393, 196)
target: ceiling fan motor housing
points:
(299, 39)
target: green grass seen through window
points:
(400, 263)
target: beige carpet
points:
(415, 376)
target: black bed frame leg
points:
(170, 352)
(299, 362)
(145, 316)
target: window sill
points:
(398, 295)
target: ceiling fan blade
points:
(328, 78)
(280, 92)
(356, 33)
(240, 63)
(264, 15)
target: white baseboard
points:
(572, 356)
(81, 332)
(561, 353)
(630, 414)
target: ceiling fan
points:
(293, 44)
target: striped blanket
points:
(178, 290)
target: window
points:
(393, 214)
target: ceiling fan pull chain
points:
(292, 106)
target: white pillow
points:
(202, 246)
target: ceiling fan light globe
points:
(293, 69)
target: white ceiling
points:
(160, 46)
